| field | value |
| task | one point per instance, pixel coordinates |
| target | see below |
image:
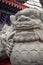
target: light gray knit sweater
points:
(24, 45)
